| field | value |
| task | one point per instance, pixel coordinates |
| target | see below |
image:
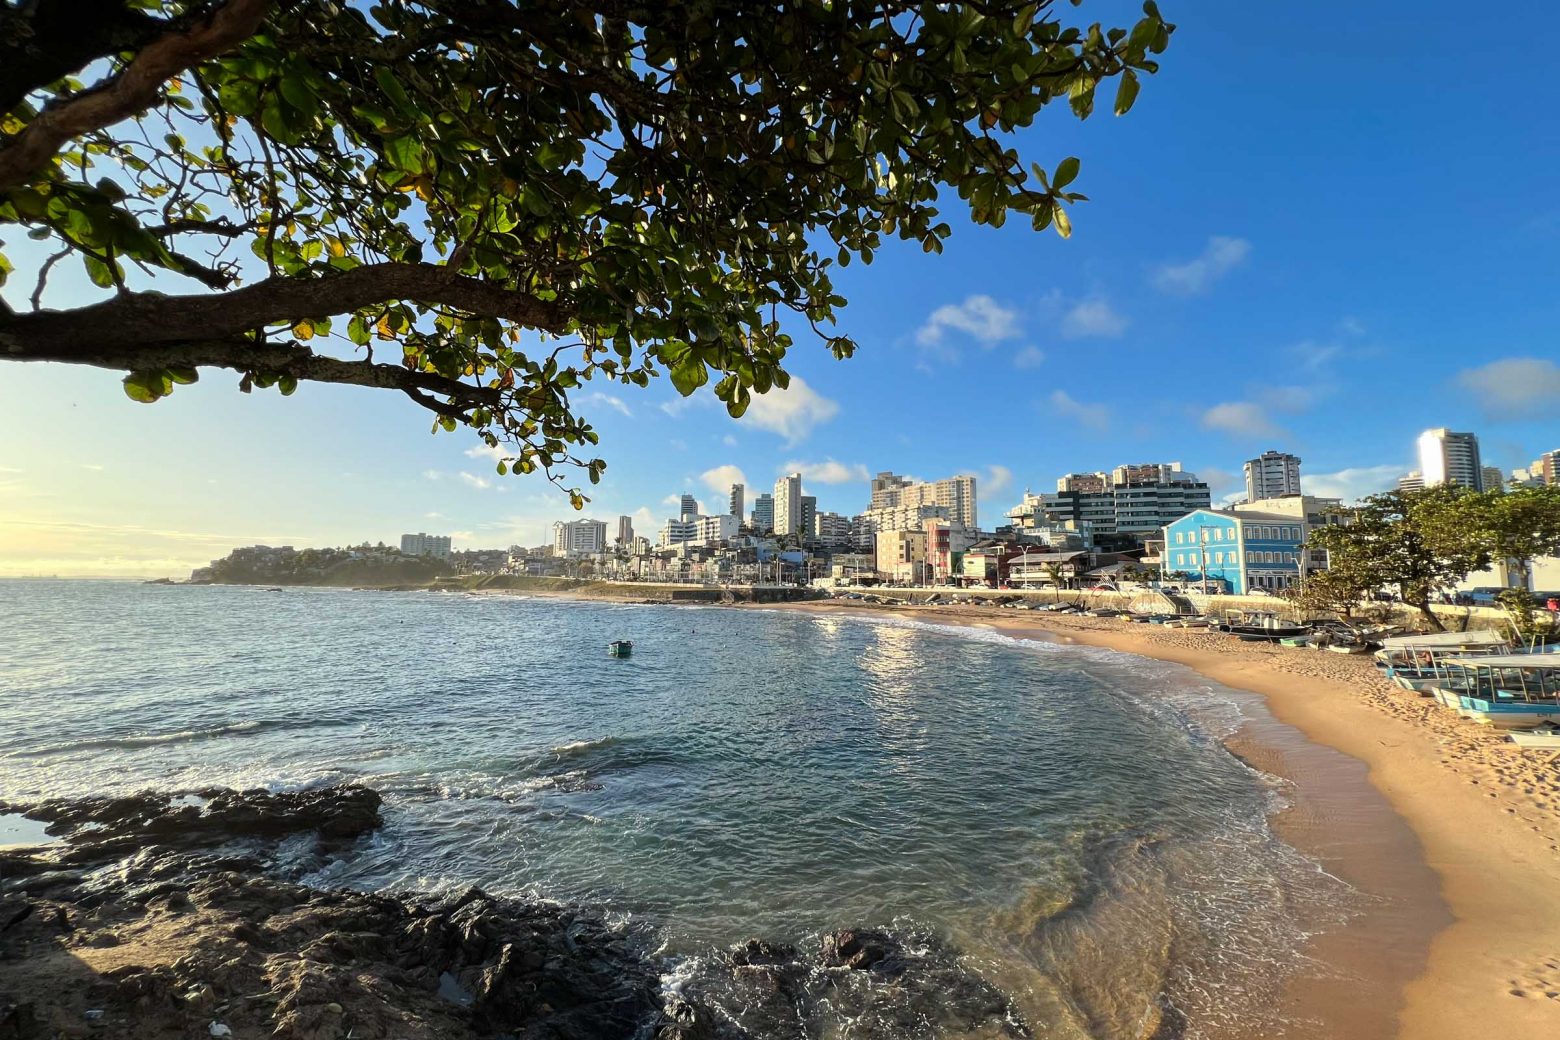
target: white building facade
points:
(579, 537)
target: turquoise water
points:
(1066, 816)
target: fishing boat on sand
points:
(1419, 662)
(1507, 691)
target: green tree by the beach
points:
(1518, 526)
(1420, 541)
(484, 205)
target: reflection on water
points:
(1066, 817)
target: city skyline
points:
(1306, 284)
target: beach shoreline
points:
(1475, 950)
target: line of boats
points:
(1482, 676)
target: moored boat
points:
(620, 648)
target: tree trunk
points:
(1429, 615)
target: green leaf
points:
(144, 387)
(1066, 170)
(1127, 92)
(287, 384)
(688, 375)
(405, 153)
(184, 376)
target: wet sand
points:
(1450, 832)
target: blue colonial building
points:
(1237, 551)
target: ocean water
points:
(1065, 817)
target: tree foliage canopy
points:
(1420, 541)
(508, 197)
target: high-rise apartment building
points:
(788, 505)
(1546, 468)
(1414, 481)
(764, 513)
(625, 530)
(955, 494)
(809, 517)
(435, 545)
(1139, 500)
(1492, 479)
(1091, 483)
(1446, 457)
(579, 537)
(832, 530)
(689, 507)
(736, 507)
(1273, 474)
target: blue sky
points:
(1322, 229)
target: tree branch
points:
(289, 359)
(129, 92)
(143, 320)
(48, 40)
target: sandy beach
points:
(1481, 958)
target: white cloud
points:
(1218, 258)
(994, 481)
(729, 441)
(677, 405)
(828, 472)
(1029, 357)
(793, 412)
(1514, 387)
(433, 516)
(498, 453)
(980, 317)
(1290, 398)
(1314, 356)
(472, 480)
(720, 479)
(1094, 416)
(672, 500)
(1225, 486)
(1351, 484)
(1093, 318)
(432, 474)
(597, 397)
(1241, 418)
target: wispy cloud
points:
(979, 317)
(496, 453)
(1221, 255)
(1351, 484)
(1241, 418)
(1094, 416)
(720, 478)
(474, 481)
(1314, 356)
(1514, 388)
(828, 472)
(1093, 318)
(994, 481)
(611, 401)
(792, 413)
(1029, 357)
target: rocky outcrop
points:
(154, 916)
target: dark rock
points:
(756, 951)
(856, 949)
(19, 1022)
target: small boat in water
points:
(620, 648)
